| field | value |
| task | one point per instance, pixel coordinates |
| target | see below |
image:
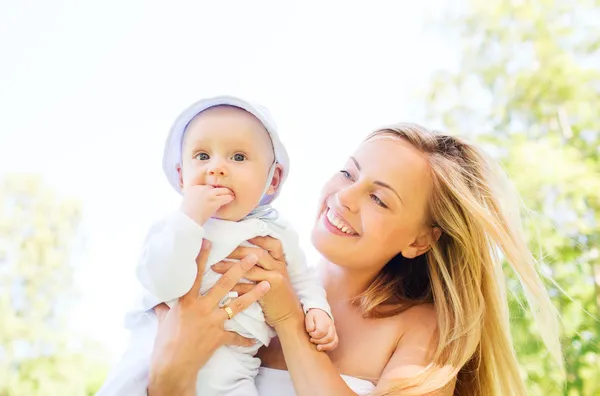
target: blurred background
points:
(88, 91)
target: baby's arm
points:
(308, 288)
(167, 266)
(319, 320)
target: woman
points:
(413, 231)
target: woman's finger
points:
(194, 292)
(254, 274)
(243, 288)
(222, 266)
(234, 339)
(229, 279)
(271, 245)
(239, 304)
(161, 310)
(265, 260)
(243, 251)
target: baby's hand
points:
(202, 202)
(321, 329)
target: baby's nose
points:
(216, 171)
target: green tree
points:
(529, 84)
(38, 354)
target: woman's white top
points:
(271, 382)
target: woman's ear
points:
(276, 180)
(422, 243)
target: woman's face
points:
(376, 206)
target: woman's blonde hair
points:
(476, 209)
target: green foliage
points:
(38, 354)
(529, 82)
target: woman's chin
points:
(330, 246)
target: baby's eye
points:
(202, 157)
(239, 157)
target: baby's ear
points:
(276, 180)
(180, 174)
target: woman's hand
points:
(190, 332)
(280, 304)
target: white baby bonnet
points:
(172, 153)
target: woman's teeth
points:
(339, 224)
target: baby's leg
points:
(229, 372)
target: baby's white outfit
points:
(167, 270)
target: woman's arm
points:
(312, 372)
(190, 332)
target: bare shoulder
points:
(416, 345)
(416, 337)
(420, 319)
(422, 316)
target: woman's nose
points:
(347, 198)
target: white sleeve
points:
(167, 266)
(304, 280)
(129, 376)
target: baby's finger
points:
(220, 191)
(222, 200)
(321, 330)
(327, 338)
(328, 347)
(309, 322)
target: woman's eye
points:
(239, 157)
(378, 201)
(346, 174)
(202, 157)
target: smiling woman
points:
(369, 206)
(410, 232)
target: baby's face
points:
(228, 147)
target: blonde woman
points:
(412, 231)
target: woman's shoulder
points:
(420, 318)
(413, 349)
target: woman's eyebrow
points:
(377, 182)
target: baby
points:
(224, 156)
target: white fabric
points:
(230, 371)
(167, 269)
(271, 382)
(172, 151)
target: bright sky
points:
(88, 91)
